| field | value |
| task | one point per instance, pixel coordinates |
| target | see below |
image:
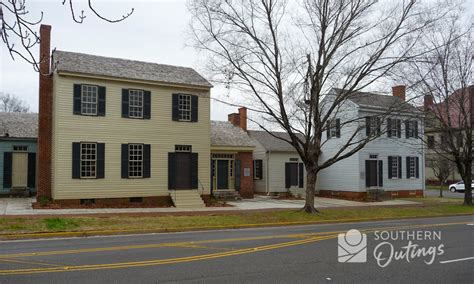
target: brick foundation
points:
(362, 196)
(152, 201)
(246, 183)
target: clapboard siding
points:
(276, 173)
(159, 131)
(259, 153)
(6, 145)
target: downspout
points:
(423, 155)
(267, 185)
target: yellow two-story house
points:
(123, 132)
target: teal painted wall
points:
(6, 145)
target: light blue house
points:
(18, 140)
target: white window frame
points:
(89, 99)
(411, 128)
(183, 148)
(373, 125)
(411, 167)
(255, 170)
(135, 103)
(88, 163)
(333, 128)
(20, 148)
(184, 107)
(395, 167)
(394, 128)
(135, 160)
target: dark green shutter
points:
(399, 167)
(367, 126)
(77, 99)
(258, 169)
(416, 130)
(417, 167)
(125, 105)
(146, 161)
(399, 128)
(76, 160)
(175, 107)
(380, 173)
(379, 124)
(100, 160)
(7, 170)
(32, 170)
(124, 168)
(101, 106)
(338, 128)
(194, 170)
(389, 127)
(367, 164)
(407, 129)
(287, 175)
(171, 170)
(194, 108)
(146, 104)
(301, 175)
(328, 130)
(390, 167)
(237, 174)
(408, 166)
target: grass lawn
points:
(437, 187)
(431, 206)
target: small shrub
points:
(43, 201)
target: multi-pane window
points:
(135, 160)
(88, 160)
(20, 148)
(430, 142)
(411, 167)
(184, 107)
(333, 128)
(394, 126)
(183, 148)
(395, 167)
(135, 103)
(89, 100)
(411, 129)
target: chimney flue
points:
(399, 91)
(243, 118)
(427, 102)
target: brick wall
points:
(246, 183)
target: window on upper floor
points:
(372, 126)
(135, 103)
(394, 127)
(430, 141)
(411, 129)
(89, 100)
(334, 129)
(185, 107)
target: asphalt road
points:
(297, 254)
(446, 193)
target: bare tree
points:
(284, 57)
(11, 103)
(18, 29)
(442, 168)
(445, 77)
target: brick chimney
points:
(45, 114)
(239, 119)
(399, 91)
(427, 102)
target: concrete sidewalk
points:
(22, 206)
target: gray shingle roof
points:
(129, 69)
(18, 125)
(272, 143)
(223, 133)
(378, 100)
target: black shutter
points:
(146, 104)
(416, 130)
(328, 130)
(125, 105)
(77, 99)
(32, 170)
(301, 175)
(380, 173)
(194, 170)
(194, 108)
(7, 170)
(417, 167)
(390, 167)
(367, 126)
(259, 171)
(287, 175)
(408, 166)
(76, 160)
(367, 164)
(389, 127)
(100, 160)
(175, 110)
(237, 174)
(399, 167)
(399, 128)
(379, 124)
(146, 161)
(101, 108)
(171, 170)
(338, 128)
(407, 129)
(124, 158)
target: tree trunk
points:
(311, 178)
(441, 189)
(468, 187)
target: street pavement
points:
(293, 254)
(446, 193)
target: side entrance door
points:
(20, 170)
(222, 174)
(373, 173)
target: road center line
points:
(457, 260)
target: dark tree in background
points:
(19, 27)
(285, 56)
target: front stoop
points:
(227, 195)
(187, 199)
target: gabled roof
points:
(18, 125)
(271, 143)
(128, 69)
(365, 99)
(224, 133)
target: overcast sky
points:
(156, 32)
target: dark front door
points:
(371, 173)
(222, 174)
(183, 171)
